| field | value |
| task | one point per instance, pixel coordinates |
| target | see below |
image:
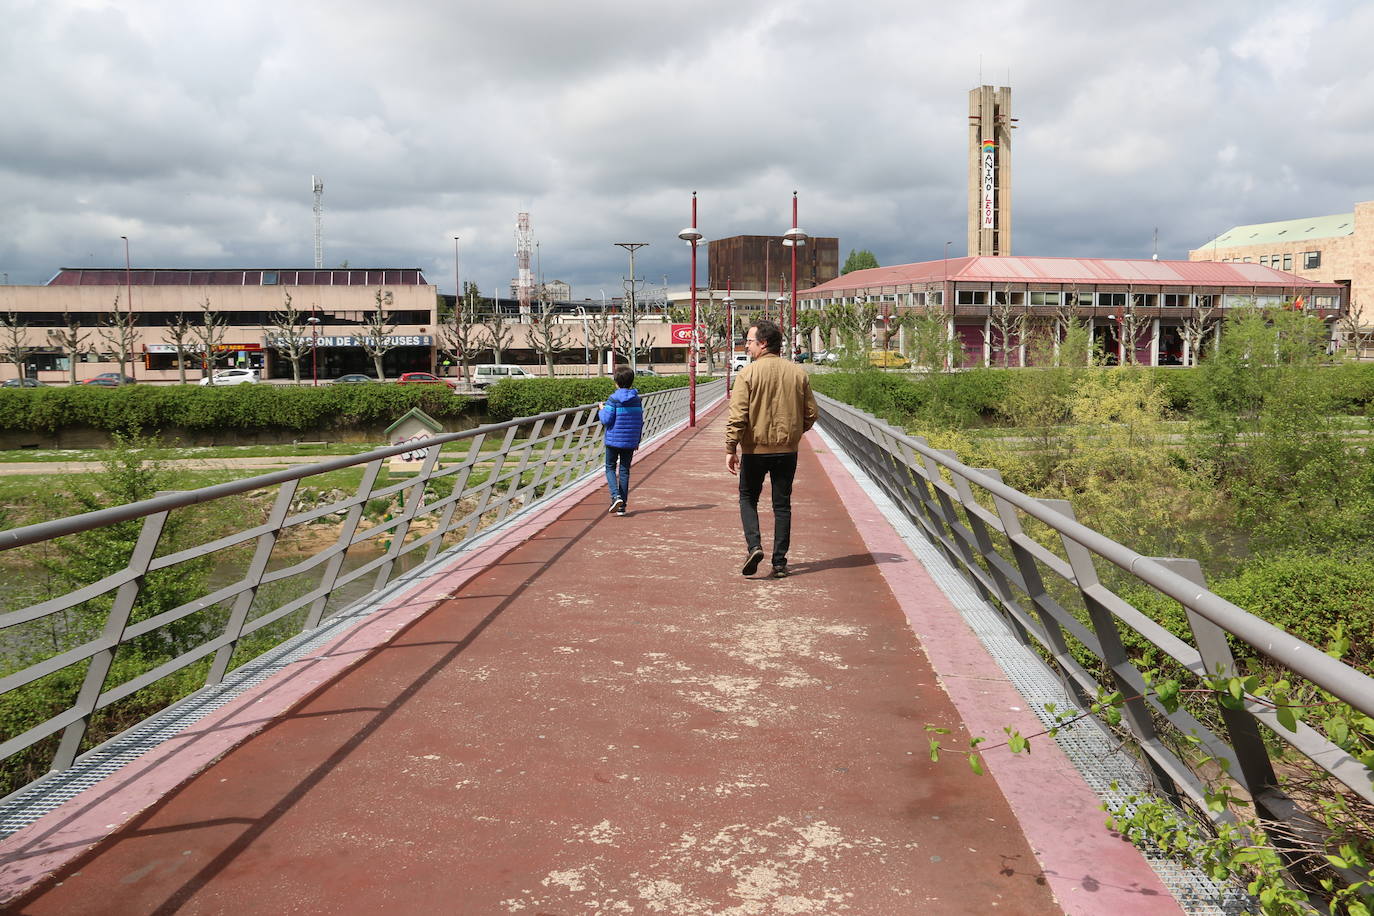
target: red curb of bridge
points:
(59, 837)
(1090, 869)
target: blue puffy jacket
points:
(623, 417)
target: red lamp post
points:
(729, 331)
(794, 238)
(692, 236)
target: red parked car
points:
(425, 378)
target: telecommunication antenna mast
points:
(524, 284)
(317, 188)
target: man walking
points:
(770, 407)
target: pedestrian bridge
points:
(537, 707)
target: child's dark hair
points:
(624, 377)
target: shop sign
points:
(682, 334)
(349, 340)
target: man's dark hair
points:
(768, 334)
(624, 377)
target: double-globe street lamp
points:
(691, 235)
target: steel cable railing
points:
(466, 484)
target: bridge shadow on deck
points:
(609, 718)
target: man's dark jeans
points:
(780, 469)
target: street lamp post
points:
(586, 348)
(314, 323)
(457, 305)
(793, 239)
(691, 235)
(632, 247)
(128, 292)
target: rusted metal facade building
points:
(763, 262)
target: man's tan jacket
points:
(770, 407)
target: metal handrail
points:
(537, 459)
(947, 500)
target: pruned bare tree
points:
(1133, 326)
(711, 319)
(625, 343)
(209, 338)
(1355, 333)
(378, 328)
(180, 333)
(1195, 329)
(599, 338)
(1008, 324)
(497, 330)
(460, 331)
(287, 332)
(119, 330)
(545, 334)
(13, 334)
(71, 338)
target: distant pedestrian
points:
(771, 406)
(623, 417)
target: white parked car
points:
(232, 377)
(490, 374)
(738, 361)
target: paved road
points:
(611, 719)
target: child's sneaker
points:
(617, 507)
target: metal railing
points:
(467, 483)
(980, 524)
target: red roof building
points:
(1152, 298)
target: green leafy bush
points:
(152, 408)
(513, 398)
(943, 398)
(1303, 594)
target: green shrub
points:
(1303, 594)
(942, 398)
(152, 408)
(513, 398)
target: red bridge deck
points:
(607, 718)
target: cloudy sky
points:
(194, 129)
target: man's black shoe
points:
(752, 564)
(780, 572)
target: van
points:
(482, 376)
(887, 358)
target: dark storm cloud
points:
(195, 130)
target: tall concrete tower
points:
(989, 170)
(524, 288)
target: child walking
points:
(623, 417)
